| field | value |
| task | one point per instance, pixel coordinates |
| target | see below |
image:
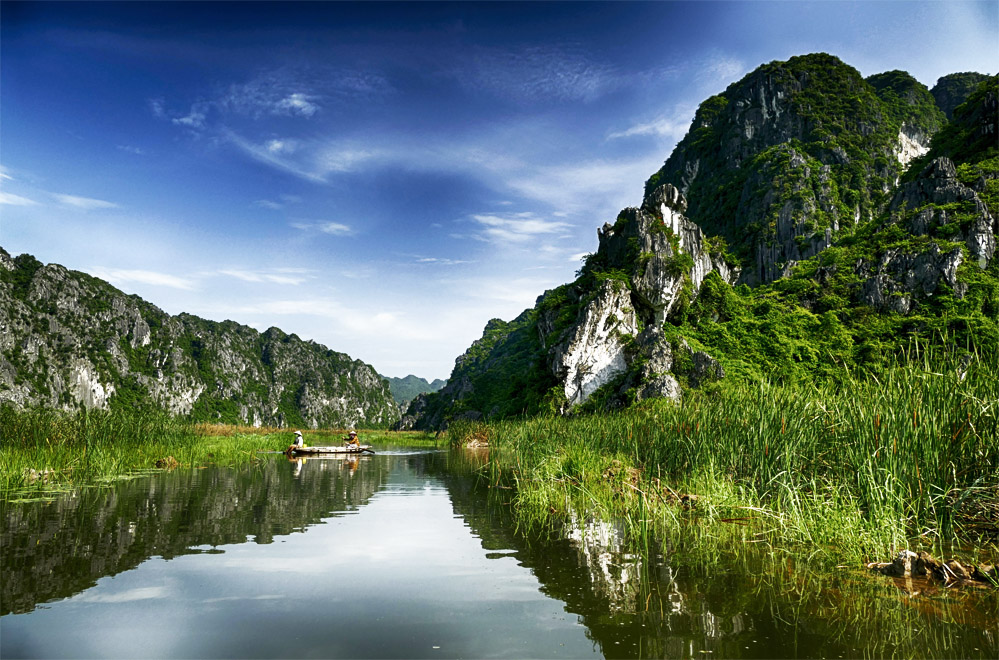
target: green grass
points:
(845, 471)
(43, 451)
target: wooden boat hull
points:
(309, 451)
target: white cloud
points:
(517, 227)
(83, 203)
(281, 276)
(282, 146)
(335, 228)
(332, 228)
(122, 276)
(297, 104)
(195, 118)
(442, 261)
(127, 148)
(268, 204)
(15, 200)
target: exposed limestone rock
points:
(912, 143)
(595, 352)
(798, 192)
(70, 341)
(900, 278)
(918, 205)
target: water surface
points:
(404, 554)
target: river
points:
(404, 554)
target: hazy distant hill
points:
(406, 389)
(70, 341)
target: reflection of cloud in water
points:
(242, 598)
(142, 593)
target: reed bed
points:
(854, 468)
(43, 450)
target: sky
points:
(383, 178)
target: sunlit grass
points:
(45, 451)
(849, 471)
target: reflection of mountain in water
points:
(56, 549)
(627, 604)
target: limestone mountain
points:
(810, 221)
(406, 389)
(795, 152)
(954, 89)
(70, 341)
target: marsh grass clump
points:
(44, 449)
(850, 469)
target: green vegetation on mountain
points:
(408, 388)
(72, 341)
(954, 89)
(848, 259)
(813, 107)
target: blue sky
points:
(383, 178)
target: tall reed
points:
(865, 463)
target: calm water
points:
(402, 555)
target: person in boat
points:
(298, 444)
(351, 440)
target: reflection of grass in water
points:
(698, 584)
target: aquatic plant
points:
(852, 469)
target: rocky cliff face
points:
(599, 336)
(954, 89)
(834, 197)
(795, 151)
(68, 340)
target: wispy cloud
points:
(279, 276)
(439, 261)
(83, 203)
(673, 125)
(564, 73)
(263, 154)
(332, 228)
(516, 227)
(195, 118)
(127, 596)
(128, 148)
(15, 200)
(122, 276)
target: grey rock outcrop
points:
(936, 199)
(617, 333)
(899, 278)
(70, 341)
(596, 350)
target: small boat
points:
(336, 449)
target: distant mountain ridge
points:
(406, 389)
(70, 341)
(810, 221)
